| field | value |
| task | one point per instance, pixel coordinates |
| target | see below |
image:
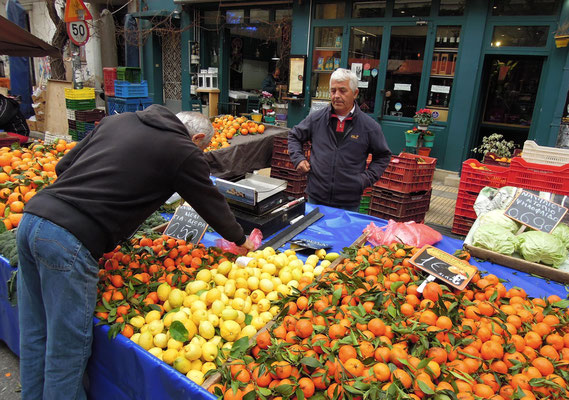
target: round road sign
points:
(78, 32)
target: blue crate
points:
(145, 102)
(119, 105)
(129, 90)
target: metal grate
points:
(172, 62)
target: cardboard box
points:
(32, 125)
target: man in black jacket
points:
(342, 137)
(11, 118)
(106, 186)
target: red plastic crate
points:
(109, 77)
(296, 183)
(475, 176)
(408, 173)
(400, 204)
(464, 204)
(547, 178)
(461, 225)
(419, 218)
(282, 161)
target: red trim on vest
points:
(341, 124)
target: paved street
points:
(9, 374)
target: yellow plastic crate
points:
(80, 94)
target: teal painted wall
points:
(185, 37)
(152, 65)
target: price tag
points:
(54, 137)
(442, 265)
(186, 224)
(535, 212)
(78, 32)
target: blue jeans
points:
(57, 292)
(347, 208)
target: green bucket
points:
(428, 140)
(411, 139)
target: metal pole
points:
(76, 66)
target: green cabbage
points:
(561, 232)
(494, 237)
(541, 247)
(499, 218)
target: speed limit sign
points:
(78, 32)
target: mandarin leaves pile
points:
(362, 331)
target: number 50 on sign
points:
(78, 32)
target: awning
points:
(17, 42)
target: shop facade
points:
(483, 67)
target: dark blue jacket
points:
(338, 173)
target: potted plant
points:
(423, 118)
(412, 137)
(267, 100)
(496, 144)
(561, 35)
(428, 138)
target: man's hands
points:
(248, 245)
(303, 167)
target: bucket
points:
(257, 117)
(424, 151)
(428, 140)
(411, 139)
(270, 120)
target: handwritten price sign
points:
(535, 212)
(186, 224)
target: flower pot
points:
(423, 127)
(411, 139)
(561, 41)
(424, 151)
(269, 119)
(428, 140)
(257, 117)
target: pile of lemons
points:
(221, 306)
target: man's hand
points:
(303, 167)
(248, 245)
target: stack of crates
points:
(403, 193)
(282, 167)
(125, 90)
(81, 112)
(365, 201)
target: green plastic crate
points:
(130, 74)
(80, 105)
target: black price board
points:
(535, 212)
(186, 224)
(452, 270)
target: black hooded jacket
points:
(112, 180)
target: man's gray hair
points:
(343, 74)
(196, 123)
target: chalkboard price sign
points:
(535, 212)
(442, 265)
(186, 224)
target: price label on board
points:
(186, 224)
(442, 265)
(535, 212)
(78, 32)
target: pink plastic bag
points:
(410, 233)
(256, 237)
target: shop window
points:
(525, 7)
(283, 13)
(520, 36)
(411, 8)
(363, 59)
(330, 10)
(452, 7)
(235, 16)
(325, 59)
(368, 9)
(211, 18)
(257, 15)
(404, 68)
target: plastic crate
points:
(296, 195)
(145, 102)
(547, 178)
(475, 176)
(80, 104)
(282, 161)
(73, 134)
(72, 124)
(464, 204)
(109, 78)
(129, 74)
(117, 105)
(419, 218)
(70, 113)
(129, 90)
(461, 225)
(398, 204)
(280, 146)
(90, 116)
(408, 173)
(535, 153)
(80, 94)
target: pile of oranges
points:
(363, 331)
(24, 171)
(227, 126)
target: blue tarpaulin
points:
(20, 83)
(120, 369)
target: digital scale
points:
(260, 202)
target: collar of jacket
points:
(331, 112)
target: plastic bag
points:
(256, 237)
(410, 233)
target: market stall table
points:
(245, 154)
(120, 369)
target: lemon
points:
(283, 289)
(220, 279)
(193, 351)
(268, 251)
(257, 295)
(156, 327)
(161, 340)
(191, 328)
(252, 283)
(257, 322)
(135, 337)
(177, 316)
(230, 330)
(203, 275)
(308, 268)
(325, 264)
(274, 310)
(198, 316)
(248, 304)
(296, 274)
(209, 351)
(269, 268)
(206, 329)
(266, 316)
(174, 344)
(320, 253)
(272, 296)
(152, 316)
(196, 286)
(198, 305)
(176, 298)
(212, 295)
(242, 293)
(213, 319)
(285, 276)
(266, 285)
(253, 263)
(208, 366)
(312, 260)
(217, 307)
(296, 263)
(249, 331)
(264, 305)
(241, 283)
(169, 356)
(224, 267)
(215, 340)
(137, 321)
(318, 270)
(230, 288)
(146, 340)
(163, 291)
(331, 256)
(293, 283)
(229, 314)
(196, 376)
(167, 306)
(240, 317)
(182, 365)
(238, 304)
(156, 352)
(197, 365)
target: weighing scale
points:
(260, 202)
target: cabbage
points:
(561, 232)
(499, 218)
(536, 246)
(494, 237)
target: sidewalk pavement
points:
(9, 374)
